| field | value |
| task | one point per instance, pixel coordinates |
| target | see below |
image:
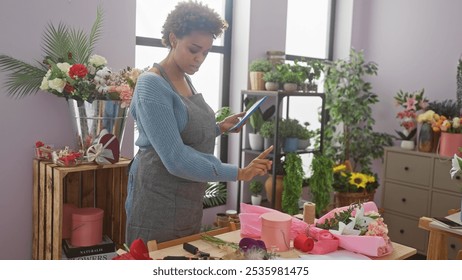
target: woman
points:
(177, 132)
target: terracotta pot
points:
(269, 191)
(346, 199)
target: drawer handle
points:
(403, 199)
(453, 246)
(457, 177)
(406, 168)
(401, 231)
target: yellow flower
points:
(338, 168)
(358, 179)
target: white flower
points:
(456, 163)
(456, 122)
(57, 84)
(44, 85)
(346, 229)
(97, 60)
(64, 67)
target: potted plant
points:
(257, 68)
(349, 135)
(272, 80)
(292, 182)
(267, 132)
(256, 121)
(289, 131)
(291, 76)
(304, 136)
(256, 187)
(313, 72)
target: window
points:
(213, 78)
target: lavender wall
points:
(44, 116)
(416, 44)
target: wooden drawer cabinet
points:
(417, 184)
(454, 245)
(88, 185)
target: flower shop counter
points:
(400, 251)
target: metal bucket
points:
(89, 119)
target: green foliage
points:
(447, 108)
(321, 181)
(348, 102)
(292, 182)
(404, 137)
(215, 195)
(267, 129)
(272, 76)
(222, 114)
(256, 187)
(342, 216)
(260, 65)
(289, 128)
(291, 73)
(304, 133)
(60, 44)
(256, 119)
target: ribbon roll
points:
(303, 243)
(99, 153)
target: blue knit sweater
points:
(161, 115)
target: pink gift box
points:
(87, 227)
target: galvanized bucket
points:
(89, 119)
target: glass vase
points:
(425, 138)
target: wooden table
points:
(437, 248)
(400, 251)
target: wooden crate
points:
(88, 185)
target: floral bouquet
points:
(410, 103)
(43, 151)
(69, 69)
(359, 228)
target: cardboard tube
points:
(309, 212)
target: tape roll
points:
(303, 243)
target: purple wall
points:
(44, 116)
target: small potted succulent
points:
(272, 80)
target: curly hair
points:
(192, 16)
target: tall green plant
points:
(348, 101)
(321, 181)
(292, 182)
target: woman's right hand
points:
(259, 166)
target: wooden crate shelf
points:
(89, 185)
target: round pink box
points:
(275, 231)
(87, 227)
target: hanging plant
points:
(321, 181)
(292, 181)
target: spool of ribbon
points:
(303, 243)
(309, 211)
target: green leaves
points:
(321, 181)
(292, 183)
(215, 194)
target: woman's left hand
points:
(231, 121)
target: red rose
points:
(39, 144)
(78, 70)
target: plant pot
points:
(271, 86)
(449, 144)
(269, 191)
(303, 144)
(408, 144)
(346, 199)
(256, 199)
(290, 87)
(256, 81)
(255, 141)
(290, 145)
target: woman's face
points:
(190, 51)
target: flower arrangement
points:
(69, 69)
(411, 103)
(445, 124)
(346, 180)
(356, 221)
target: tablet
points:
(248, 113)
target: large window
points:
(213, 78)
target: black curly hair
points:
(192, 16)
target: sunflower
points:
(359, 180)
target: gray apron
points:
(165, 206)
